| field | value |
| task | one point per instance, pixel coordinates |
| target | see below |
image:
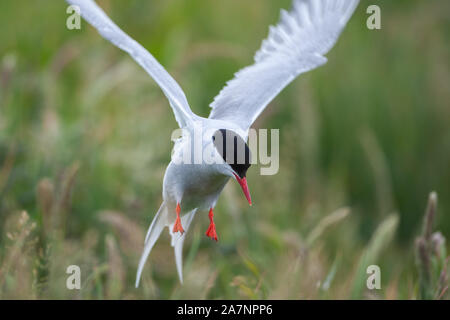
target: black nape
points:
(233, 150)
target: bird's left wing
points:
(296, 45)
(93, 14)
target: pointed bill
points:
(243, 183)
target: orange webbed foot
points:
(177, 227)
(211, 232)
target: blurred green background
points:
(85, 139)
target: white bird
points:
(297, 44)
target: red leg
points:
(211, 232)
(177, 226)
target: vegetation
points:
(85, 138)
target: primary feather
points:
(93, 14)
(296, 45)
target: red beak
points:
(243, 183)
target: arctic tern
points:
(297, 44)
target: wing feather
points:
(93, 14)
(297, 44)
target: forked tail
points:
(156, 227)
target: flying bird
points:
(297, 44)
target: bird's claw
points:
(177, 227)
(211, 232)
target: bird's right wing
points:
(296, 45)
(93, 14)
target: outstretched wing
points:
(296, 45)
(93, 14)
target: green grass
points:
(85, 138)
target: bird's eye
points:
(233, 150)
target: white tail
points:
(154, 231)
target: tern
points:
(297, 44)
